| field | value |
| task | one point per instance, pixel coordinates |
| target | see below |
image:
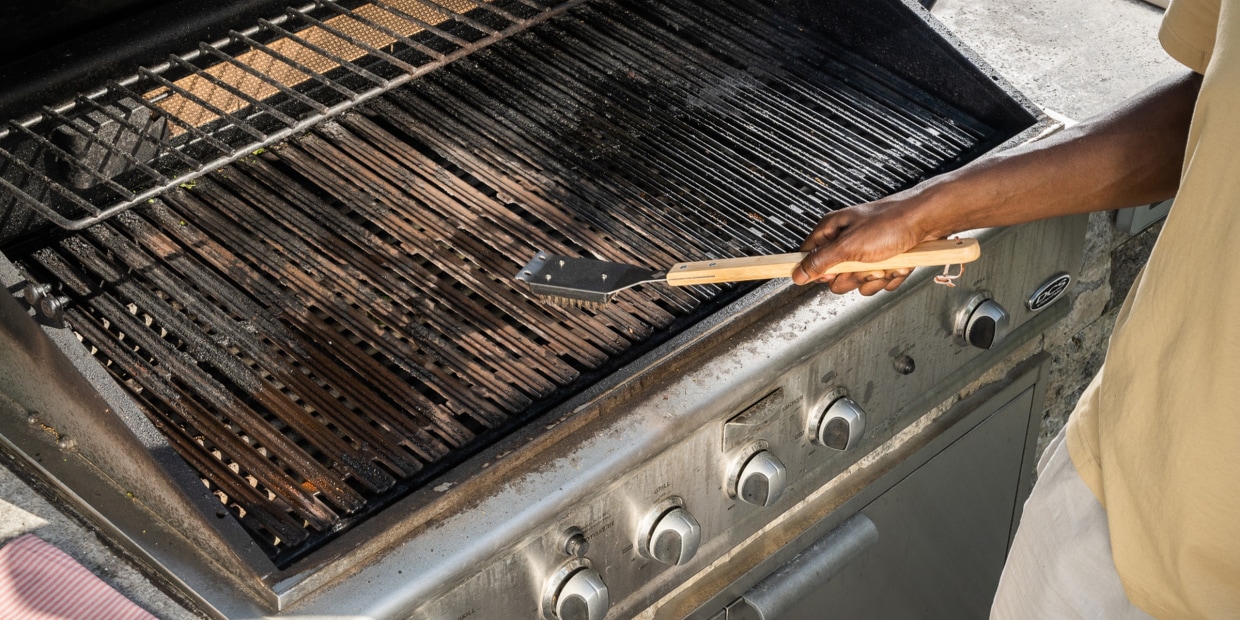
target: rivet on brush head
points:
(604, 277)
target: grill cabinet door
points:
(943, 535)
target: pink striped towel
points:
(40, 582)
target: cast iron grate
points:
(80, 162)
(322, 328)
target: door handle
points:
(779, 592)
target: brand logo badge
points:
(1049, 292)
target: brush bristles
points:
(566, 302)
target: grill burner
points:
(322, 328)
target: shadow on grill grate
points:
(324, 327)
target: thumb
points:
(816, 263)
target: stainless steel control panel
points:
(807, 401)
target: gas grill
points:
(287, 366)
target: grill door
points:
(942, 534)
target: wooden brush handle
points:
(930, 253)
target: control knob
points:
(760, 479)
(669, 533)
(839, 423)
(576, 592)
(983, 323)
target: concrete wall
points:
(1077, 58)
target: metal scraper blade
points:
(582, 279)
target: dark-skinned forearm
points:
(1130, 156)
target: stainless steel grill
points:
(83, 161)
(306, 384)
(321, 328)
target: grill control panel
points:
(721, 448)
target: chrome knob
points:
(840, 423)
(576, 592)
(983, 323)
(669, 533)
(762, 479)
(583, 597)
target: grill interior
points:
(324, 326)
(106, 151)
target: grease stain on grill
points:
(329, 325)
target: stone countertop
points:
(1075, 58)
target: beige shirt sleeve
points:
(1188, 32)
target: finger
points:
(820, 258)
(845, 282)
(828, 229)
(894, 283)
(808, 269)
(871, 287)
(799, 276)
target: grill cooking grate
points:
(104, 152)
(326, 326)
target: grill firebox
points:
(328, 327)
(321, 328)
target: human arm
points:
(1129, 156)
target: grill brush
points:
(573, 281)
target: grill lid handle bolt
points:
(34, 293)
(53, 307)
(45, 301)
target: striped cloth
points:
(40, 582)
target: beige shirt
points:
(1156, 436)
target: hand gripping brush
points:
(572, 281)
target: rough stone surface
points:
(1077, 58)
